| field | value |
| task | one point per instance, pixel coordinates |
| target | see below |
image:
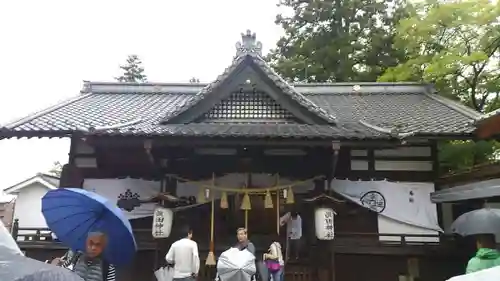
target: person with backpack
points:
(91, 265)
(274, 260)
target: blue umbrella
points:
(71, 213)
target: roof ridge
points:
(366, 83)
(305, 89)
(114, 83)
(48, 175)
(36, 114)
(458, 107)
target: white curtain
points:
(406, 202)
(112, 188)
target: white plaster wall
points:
(394, 164)
(28, 208)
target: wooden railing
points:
(313, 265)
(145, 241)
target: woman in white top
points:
(276, 254)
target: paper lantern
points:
(323, 222)
(162, 222)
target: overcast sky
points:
(49, 47)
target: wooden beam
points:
(159, 141)
(421, 176)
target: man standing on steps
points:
(293, 223)
(184, 256)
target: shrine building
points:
(249, 147)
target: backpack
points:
(105, 265)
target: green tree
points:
(456, 46)
(132, 71)
(337, 40)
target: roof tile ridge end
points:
(391, 132)
(42, 112)
(459, 107)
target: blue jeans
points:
(278, 275)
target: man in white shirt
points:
(293, 223)
(183, 254)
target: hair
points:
(101, 234)
(96, 233)
(294, 214)
(186, 230)
(486, 241)
(241, 229)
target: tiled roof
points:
(333, 111)
(135, 109)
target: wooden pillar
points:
(319, 186)
(435, 167)
(71, 176)
(332, 260)
(15, 229)
(171, 186)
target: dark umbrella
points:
(482, 221)
(71, 213)
(14, 267)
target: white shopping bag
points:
(164, 274)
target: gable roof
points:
(48, 181)
(254, 61)
(328, 110)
